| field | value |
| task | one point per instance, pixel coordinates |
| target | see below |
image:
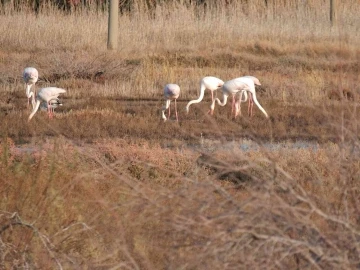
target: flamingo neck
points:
(223, 103)
(28, 87)
(36, 107)
(202, 91)
(243, 92)
(167, 105)
(258, 104)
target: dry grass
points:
(291, 49)
(137, 205)
(107, 185)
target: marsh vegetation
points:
(107, 184)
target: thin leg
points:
(238, 108)
(211, 111)
(251, 105)
(233, 105)
(49, 110)
(176, 113)
(169, 111)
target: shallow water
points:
(249, 145)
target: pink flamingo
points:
(243, 85)
(30, 76)
(211, 83)
(171, 92)
(243, 92)
(48, 95)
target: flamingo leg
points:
(169, 111)
(238, 108)
(251, 105)
(233, 110)
(176, 113)
(211, 111)
(49, 110)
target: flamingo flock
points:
(244, 87)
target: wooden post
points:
(332, 12)
(113, 25)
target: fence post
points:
(113, 25)
(332, 12)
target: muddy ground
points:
(94, 118)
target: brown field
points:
(107, 184)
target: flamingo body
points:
(30, 76)
(210, 83)
(54, 103)
(243, 85)
(243, 92)
(171, 92)
(255, 80)
(50, 96)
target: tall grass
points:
(280, 44)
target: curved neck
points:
(243, 92)
(33, 99)
(223, 103)
(28, 87)
(202, 91)
(258, 104)
(167, 105)
(37, 104)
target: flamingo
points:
(50, 96)
(243, 92)
(54, 103)
(238, 103)
(211, 83)
(30, 76)
(243, 85)
(171, 92)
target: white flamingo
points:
(211, 83)
(243, 85)
(238, 103)
(54, 103)
(171, 92)
(50, 96)
(30, 76)
(243, 92)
